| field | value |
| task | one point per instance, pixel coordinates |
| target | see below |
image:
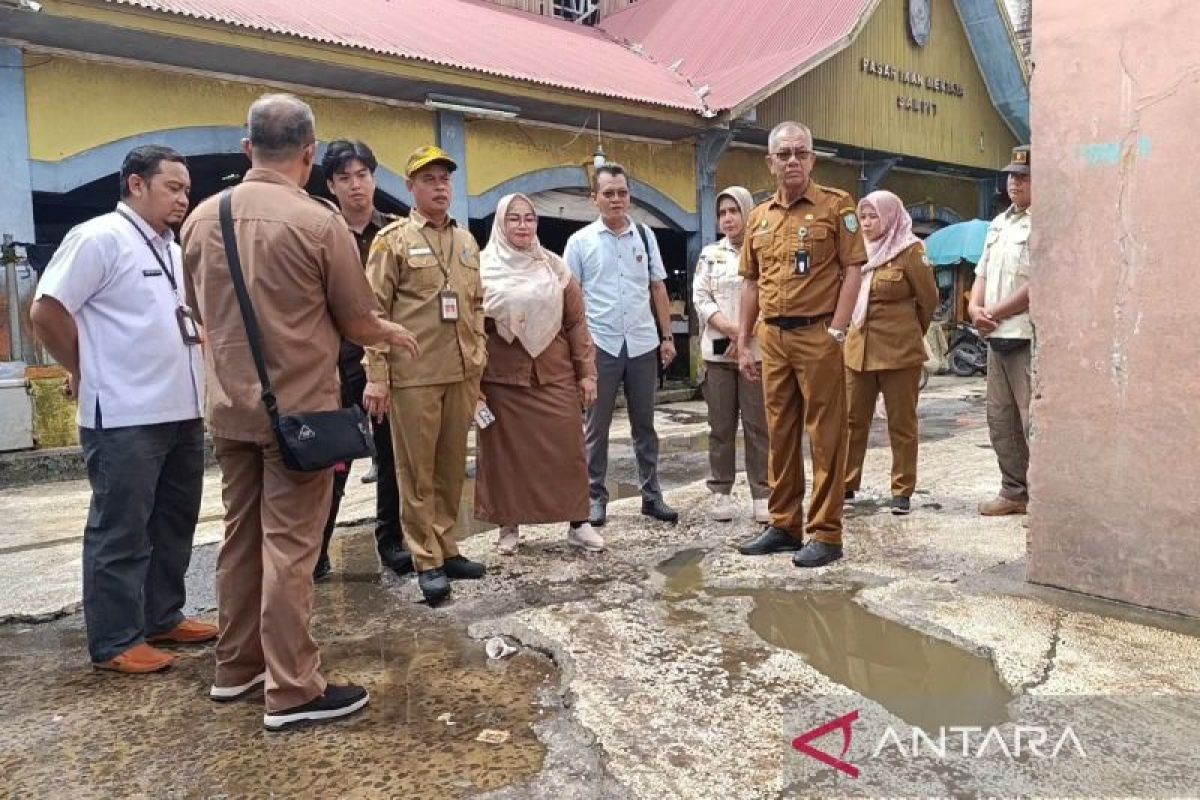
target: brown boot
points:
(138, 660)
(1002, 506)
(190, 631)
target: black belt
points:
(791, 323)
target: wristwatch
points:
(838, 336)
(668, 339)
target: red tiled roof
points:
(466, 34)
(739, 49)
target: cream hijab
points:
(522, 289)
(897, 237)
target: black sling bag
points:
(307, 441)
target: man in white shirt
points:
(621, 271)
(110, 309)
(999, 309)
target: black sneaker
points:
(434, 585)
(848, 497)
(460, 568)
(901, 506)
(322, 569)
(396, 558)
(659, 510)
(338, 701)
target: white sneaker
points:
(509, 540)
(585, 536)
(762, 512)
(722, 508)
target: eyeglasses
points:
(787, 155)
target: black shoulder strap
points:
(642, 234)
(253, 335)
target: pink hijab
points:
(897, 237)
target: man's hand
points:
(747, 365)
(375, 400)
(70, 387)
(732, 351)
(587, 393)
(982, 320)
(399, 336)
(668, 352)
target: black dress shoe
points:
(901, 506)
(322, 569)
(817, 554)
(434, 585)
(848, 497)
(396, 558)
(771, 540)
(461, 568)
(598, 514)
(659, 510)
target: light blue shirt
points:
(615, 272)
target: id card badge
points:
(802, 262)
(448, 303)
(188, 327)
(484, 417)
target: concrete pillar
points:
(1116, 410)
(16, 192)
(710, 146)
(452, 137)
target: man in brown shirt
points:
(425, 274)
(800, 263)
(307, 287)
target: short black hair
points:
(608, 168)
(341, 152)
(146, 162)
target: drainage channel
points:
(923, 680)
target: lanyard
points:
(438, 256)
(168, 269)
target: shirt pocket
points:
(424, 275)
(889, 284)
(1020, 245)
(821, 244)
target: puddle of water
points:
(922, 679)
(69, 727)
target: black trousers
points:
(146, 485)
(388, 533)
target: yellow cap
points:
(424, 156)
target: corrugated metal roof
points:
(740, 48)
(465, 34)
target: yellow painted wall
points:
(77, 105)
(742, 167)
(954, 193)
(843, 104)
(498, 151)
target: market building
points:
(923, 97)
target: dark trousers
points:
(388, 533)
(640, 377)
(146, 485)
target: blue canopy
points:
(962, 241)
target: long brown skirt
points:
(530, 464)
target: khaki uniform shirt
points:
(410, 264)
(903, 298)
(305, 281)
(1004, 265)
(822, 222)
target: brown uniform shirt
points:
(305, 281)
(570, 357)
(410, 264)
(823, 223)
(903, 298)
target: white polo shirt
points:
(135, 368)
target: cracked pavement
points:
(667, 666)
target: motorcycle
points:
(968, 352)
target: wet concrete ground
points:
(668, 666)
